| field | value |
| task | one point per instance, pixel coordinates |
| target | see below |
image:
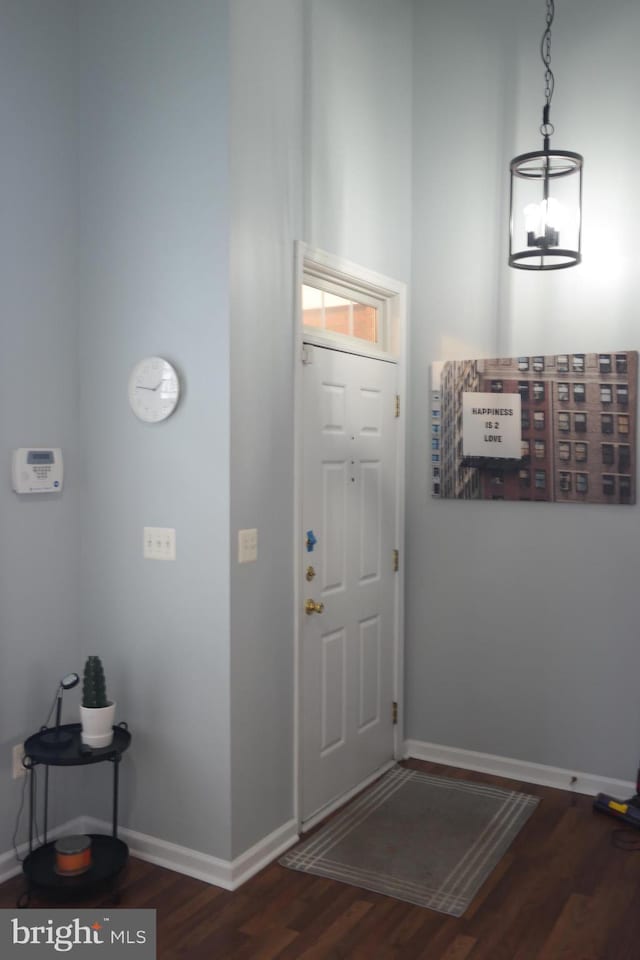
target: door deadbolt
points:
(310, 574)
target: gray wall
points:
(358, 132)
(38, 376)
(153, 268)
(521, 618)
(266, 213)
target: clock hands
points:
(139, 386)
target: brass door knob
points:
(311, 606)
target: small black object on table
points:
(108, 853)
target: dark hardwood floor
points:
(562, 892)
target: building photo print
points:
(556, 428)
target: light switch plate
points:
(159, 543)
(247, 546)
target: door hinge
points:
(394, 712)
(396, 561)
(397, 406)
(307, 354)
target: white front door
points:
(349, 508)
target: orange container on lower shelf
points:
(73, 855)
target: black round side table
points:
(64, 748)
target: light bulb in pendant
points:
(543, 222)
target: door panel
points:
(349, 505)
(333, 534)
(370, 656)
(370, 521)
(334, 663)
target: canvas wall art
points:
(555, 428)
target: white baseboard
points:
(263, 852)
(229, 874)
(10, 867)
(588, 783)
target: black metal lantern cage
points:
(546, 209)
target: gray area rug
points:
(426, 840)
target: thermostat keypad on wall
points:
(37, 470)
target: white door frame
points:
(394, 293)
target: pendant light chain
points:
(547, 128)
(545, 53)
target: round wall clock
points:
(154, 389)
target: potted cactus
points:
(96, 712)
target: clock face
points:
(154, 389)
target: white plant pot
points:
(97, 725)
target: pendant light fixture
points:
(546, 192)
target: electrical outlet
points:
(17, 754)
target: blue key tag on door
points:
(311, 541)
